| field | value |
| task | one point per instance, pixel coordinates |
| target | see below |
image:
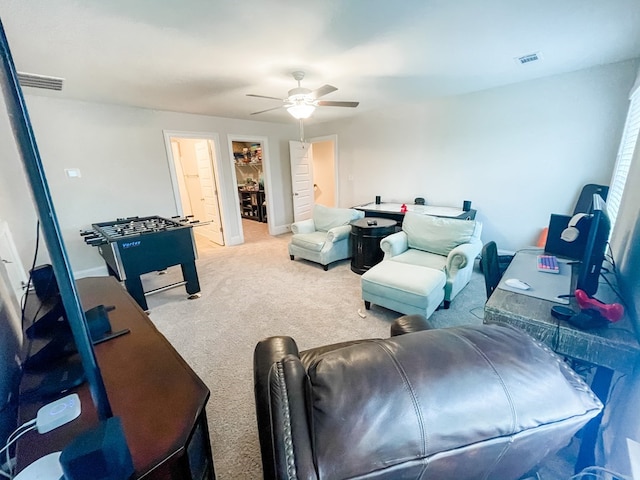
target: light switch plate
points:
(72, 172)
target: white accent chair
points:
(441, 253)
(324, 238)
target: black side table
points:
(366, 234)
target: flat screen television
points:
(595, 247)
(30, 156)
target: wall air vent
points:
(532, 57)
(40, 81)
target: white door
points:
(180, 177)
(301, 179)
(213, 229)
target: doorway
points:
(249, 158)
(325, 170)
(314, 174)
(192, 162)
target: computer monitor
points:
(572, 249)
(595, 247)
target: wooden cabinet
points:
(252, 204)
(365, 241)
(158, 397)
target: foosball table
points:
(134, 246)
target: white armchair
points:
(445, 244)
(324, 238)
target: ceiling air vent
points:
(40, 81)
(532, 57)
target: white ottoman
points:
(403, 287)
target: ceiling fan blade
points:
(267, 110)
(262, 96)
(323, 90)
(328, 103)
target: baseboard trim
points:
(235, 240)
(280, 229)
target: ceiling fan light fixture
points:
(301, 111)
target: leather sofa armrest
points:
(338, 233)
(266, 354)
(303, 226)
(291, 452)
(409, 324)
(394, 244)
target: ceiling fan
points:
(301, 102)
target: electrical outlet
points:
(57, 413)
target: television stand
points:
(158, 397)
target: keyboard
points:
(548, 264)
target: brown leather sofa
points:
(477, 402)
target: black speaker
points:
(51, 318)
(98, 454)
(44, 281)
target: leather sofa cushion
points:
(420, 401)
(436, 234)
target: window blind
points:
(625, 155)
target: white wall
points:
(518, 152)
(120, 152)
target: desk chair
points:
(490, 266)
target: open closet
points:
(247, 158)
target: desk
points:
(610, 348)
(392, 211)
(158, 397)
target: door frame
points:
(336, 163)
(216, 152)
(231, 137)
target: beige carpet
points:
(253, 291)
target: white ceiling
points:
(204, 56)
